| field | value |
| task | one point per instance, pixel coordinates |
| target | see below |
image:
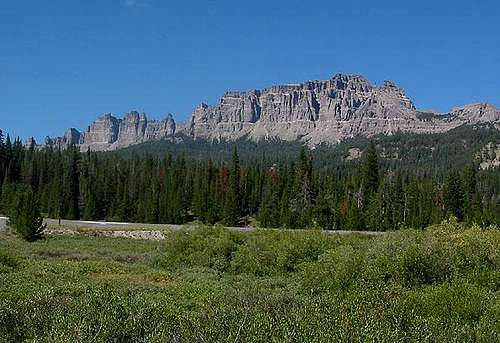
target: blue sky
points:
(63, 63)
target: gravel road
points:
(101, 225)
(3, 223)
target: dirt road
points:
(3, 223)
(73, 225)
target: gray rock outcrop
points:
(325, 112)
(110, 133)
(314, 112)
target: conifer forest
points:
(304, 190)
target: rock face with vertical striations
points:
(110, 133)
(314, 112)
(324, 112)
(476, 113)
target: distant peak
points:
(349, 77)
(476, 105)
(107, 116)
(389, 84)
(134, 113)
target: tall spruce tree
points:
(269, 209)
(397, 202)
(232, 202)
(370, 172)
(304, 191)
(472, 208)
(3, 160)
(73, 183)
(454, 195)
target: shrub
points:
(268, 253)
(7, 262)
(336, 270)
(202, 247)
(421, 266)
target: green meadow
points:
(441, 284)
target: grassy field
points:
(213, 285)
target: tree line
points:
(367, 195)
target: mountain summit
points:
(314, 112)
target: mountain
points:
(313, 112)
(110, 133)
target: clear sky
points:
(64, 62)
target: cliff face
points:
(325, 111)
(110, 133)
(314, 112)
(476, 113)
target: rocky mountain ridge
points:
(314, 112)
(110, 133)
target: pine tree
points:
(412, 204)
(232, 202)
(269, 209)
(323, 211)
(373, 214)
(8, 149)
(353, 218)
(72, 183)
(454, 196)
(304, 191)
(10, 163)
(24, 216)
(3, 161)
(304, 179)
(397, 202)
(472, 209)
(370, 172)
(287, 216)
(7, 201)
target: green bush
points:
(270, 253)
(422, 266)
(337, 270)
(203, 247)
(7, 262)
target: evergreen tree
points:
(269, 209)
(304, 191)
(3, 158)
(287, 216)
(72, 191)
(24, 216)
(454, 196)
(370, 178)
(3, 162)
(304, 180)
(7, 201)
(397, 202)
(373, 217)
(323, 213)
(232, 203)
(353, 217)
(472, 206)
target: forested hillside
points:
(429, 153)
(392, 182)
